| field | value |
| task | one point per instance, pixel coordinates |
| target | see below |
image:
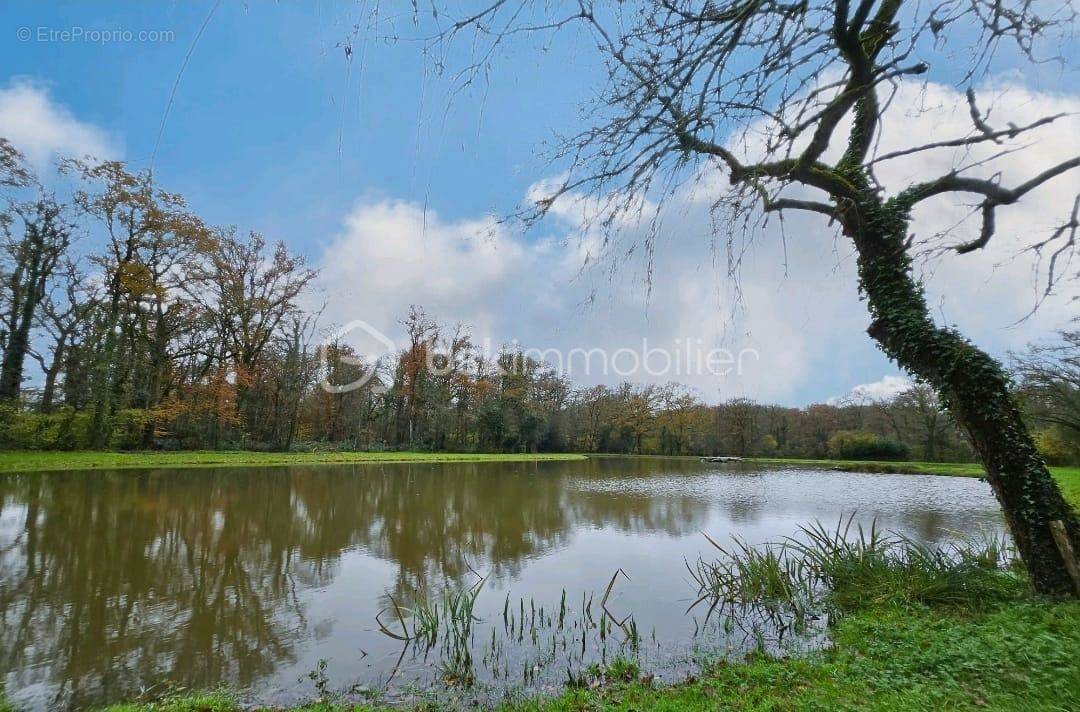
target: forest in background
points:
(152, 329)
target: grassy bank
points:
(26, 461)
(1020, 656)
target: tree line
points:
(142, 318)
(150, 328)
(442, 393)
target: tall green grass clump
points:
(841, 569)
(450, 619)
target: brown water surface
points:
(113, 583)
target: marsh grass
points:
(448, 618)
(875, 569)
(780, 595)
(619, 670)
(533, 636)
(831, 571)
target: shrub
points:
(63, 429)
(128, 427)
(1056, 449)
(860, 445)
(767, 446)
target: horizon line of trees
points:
(440, 392)
(153, 329)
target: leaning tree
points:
(788, 100)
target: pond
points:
(276, 581)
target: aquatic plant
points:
(829, 571)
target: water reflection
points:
(113, 581)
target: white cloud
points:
(43, 129)
(507, 287)
(882, 390)
(800, 310)
(988, 291)
(393, 255)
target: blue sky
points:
(273, 129)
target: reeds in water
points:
(826, 570)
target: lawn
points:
(25, 461)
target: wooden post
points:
(1061, 538)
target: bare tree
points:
(64, 316)
(737, 421)
(250, 292)
(142, 224)
(296, 368)
(762, 90)
(932, 423)
(1050, 375)
(30, 259)
(14, 172)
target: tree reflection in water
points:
(113, 581)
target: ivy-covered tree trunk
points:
(11, 369)
(972, 385)
(27, 289)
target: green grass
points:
(844, 569)
(1068, 479)
(26, 461)
(207, 702)
(1020, 656)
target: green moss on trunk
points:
(971, 383)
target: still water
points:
(116, 584)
